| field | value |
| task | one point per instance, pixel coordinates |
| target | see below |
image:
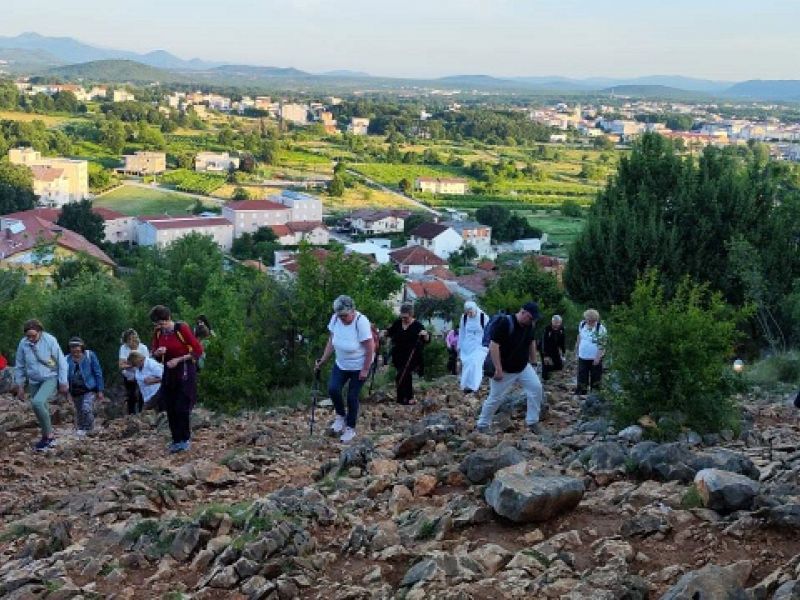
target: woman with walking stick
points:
(408, 336)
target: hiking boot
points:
(45, 443)
(180, 447)
(338, 424)
(348, 435)
(536, 428)
(484, 429)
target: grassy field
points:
(360, 196)
(48, 120)
(391, 174)
(133, 200)
(560, 230)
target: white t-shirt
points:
(150, 368)
(124, 351)
(590, 340)
(347, 341)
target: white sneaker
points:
(348, 435)
(338, 424)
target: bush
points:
(435, 358)
(670, 357)
(779, 368)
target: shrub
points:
(779, 368)
(671, 356)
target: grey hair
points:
(406, 308)
(557, 318)
(343, 304)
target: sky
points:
(714, 39)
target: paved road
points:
(383, 188)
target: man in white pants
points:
(513, 352)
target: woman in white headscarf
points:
(470, 346)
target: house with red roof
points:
(163, 230)
(439, 238)
(433, 288)
(415, 260)
(117, 227)
(36, 245)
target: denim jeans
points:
(335, 386)
(530, 383)
(84, 411)
(40, 396)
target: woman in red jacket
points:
(174, 344)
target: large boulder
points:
(712, 583)
(783, 517)
(604, 456)
(524, 496)
(788, 591)
(726, 460)
(664, 462)
(480, 466)
(724, 491)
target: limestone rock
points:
(524, 497)
(712, 583)
(480, 466)
(724, 491)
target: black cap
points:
(533, 309)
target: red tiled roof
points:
(440, 273)
(545, 262)
(43, 173)
(303, 226)
(486, 265)
(477, 281)
(429, 289)
(38, 229)
(428, 231)
(293, 266)
(108, 214)
(280, 230)
(255, 205)
(188, 222)
(416, 255)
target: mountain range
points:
(70, 59)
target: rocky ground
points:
(421, 507)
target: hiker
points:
(85, 379)
(203, 335)
(6, 376)
(147, 373)
(589, 349)
(408, 336)
(131, 343)
(41, 364)
(513, 353)
(350, 339)
(202, 321)
(176, 347)
(470, 347)
(553, 347)
(451, 341)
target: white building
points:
(55, 180)
(415, 260)
(295, 113)
(380, 254)
(358, 126)
(527, 245)
(248, 216)
(440, 239)
(476, 235)
(145, 163)
(370, 221)
(162, 231)
(441, 185)
(123, 96)
(215, 162)
(304, 207)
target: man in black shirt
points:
(553, 347)
(513, 352)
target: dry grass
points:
(48, 120)
(361, 196)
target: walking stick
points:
(408, 364)
(314, 394)
(373, 368)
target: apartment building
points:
(163, 230)
(55, 180)
(145, 163)
(358, 126)
(295, 113)
(247, 216)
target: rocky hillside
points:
(421, 507)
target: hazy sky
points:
(718, 39)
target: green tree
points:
(79, 217)
(336, 186)
(19, 301)
(16, 188)
(527, 282)
(240, 193)
(405, 186)
(671, 357)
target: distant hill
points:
(784, 90)
(69, 51)
(18, 60)
(115, 71)
(259, 72)
(654, 91)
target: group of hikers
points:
(164, 376)
(502, 347)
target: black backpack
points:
(483, 320)
(491, 326)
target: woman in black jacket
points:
(408, 337)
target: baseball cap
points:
(533, 309)
(76, 341)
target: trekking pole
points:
(372, 374)
(314, 394)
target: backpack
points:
(483, 321)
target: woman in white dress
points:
(470, 347)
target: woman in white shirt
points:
(131, 343)
(470, 347)
(351, 340)
(590, 349)
(147, 373)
